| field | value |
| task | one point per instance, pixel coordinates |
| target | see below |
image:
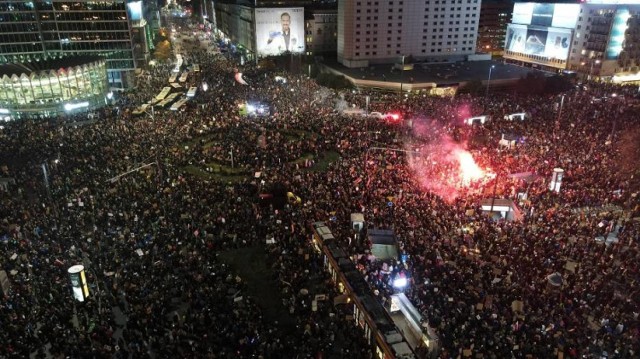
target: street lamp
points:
(489, 80)
(560, 109)
(401, 76)
(591, 68)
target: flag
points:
(239, 79)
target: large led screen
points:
(279, 30)
(516, 38)
(522, 13)
(565, 15)
(135, 10)
(552, 43)
(557, 46)
(618, 29)
(546, 15)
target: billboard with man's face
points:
(279, 30)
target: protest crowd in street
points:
(152, 240)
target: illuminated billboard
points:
(548, 42)
(618, 30)
(135, 10)
(279, 30)
(546, 15)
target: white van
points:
(353, 112)
(516, 116)
(477, 120)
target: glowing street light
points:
(591, 68)
(489, 80)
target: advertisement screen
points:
(522, 13)
(565, 15)
(546, 15)
(135, 10)
(557, 46)
(279, 30)
(542, 14)
(516, 38)
(552, 43)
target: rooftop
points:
(28, 68)
(442, 74)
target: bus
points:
(176, 106)
(140, 110)
(173, 96)
(164, 103)
(163, 94)
(183, 77)
(179, 63)
(192, 91)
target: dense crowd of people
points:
(152, 239)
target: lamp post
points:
(366, 108)
(401, 77)
(591, 68)
(560, 109)
(489, 81)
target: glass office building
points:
(42, 30)
(53, 87)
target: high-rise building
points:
(260, 28)
(37, 30)
(321, 31)
(382, 31)
(495, 15)
(597, 38)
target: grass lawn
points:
(322, 164)
(227, 174)
(293, 135)
(209, 140)
(216, 176)
(251, 265)
(222, 172)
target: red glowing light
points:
(469, 169)
(392, 117)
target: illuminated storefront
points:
(44, 89)
(42, 30)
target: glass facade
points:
(53, 91)
(42, 30)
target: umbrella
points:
(555, 279)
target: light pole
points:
(591, 68)
(366, 108)
(115, 178)
(401, 77)
(489, 81)
(493, 197)
(560, 109)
